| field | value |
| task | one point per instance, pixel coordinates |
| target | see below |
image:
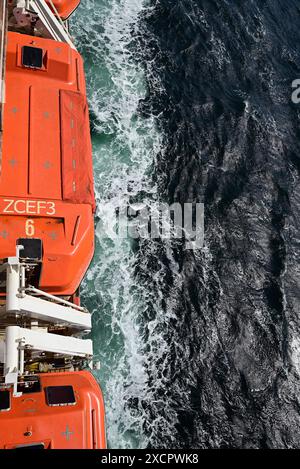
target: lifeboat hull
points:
(46, 180)
(31, 420)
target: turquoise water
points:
(198, 349)
(124, 145)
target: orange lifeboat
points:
(63, 7)
(56, 411)
(48, 397)
(46, 181)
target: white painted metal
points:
(18, 338)
(2, 346)
(48, 310)
(55, 298)
(12, 284)
(44, 310)
(15, 336)
(37, 308)
(3, 36)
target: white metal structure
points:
(39, 312)
(20, 302)
(17, 339)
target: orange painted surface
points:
(46, 179)
(64, 7)
(79, 426)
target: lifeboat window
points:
(32, 57)
(31, 446)
(60, 395)
(4, 400)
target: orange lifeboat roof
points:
(64, 7)
(66, 412)
(46, 180)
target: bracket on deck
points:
(49, 309)
(17, 339)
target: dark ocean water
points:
(191, 102)
(219, 77)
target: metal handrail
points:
(32, 289)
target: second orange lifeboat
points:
(63, 7)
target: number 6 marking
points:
(29, 228)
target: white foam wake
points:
(124, 147)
